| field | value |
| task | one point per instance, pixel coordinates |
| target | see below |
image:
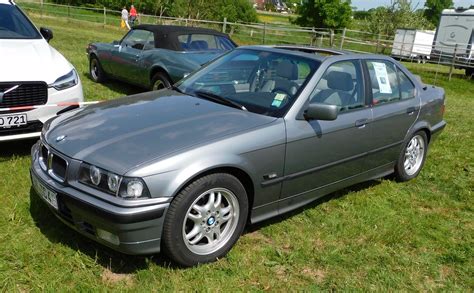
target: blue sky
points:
(367, 4)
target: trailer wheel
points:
(469, 72)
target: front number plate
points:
(7, 121)
(48, 195)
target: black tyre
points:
(412, 158)
(470, 72)
(95, 70)
(205, 220)
(160, 81)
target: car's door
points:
(395, 106)
(322, 153)
(127, 56)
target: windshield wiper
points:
(219, 99)
(175, 88)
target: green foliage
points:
(324, 13)
(361, 15)
(434, 8)
(386, 20)
(234, 10)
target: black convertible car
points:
(156, 56)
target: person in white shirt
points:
(125, 16)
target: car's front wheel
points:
(160, 81)
(412, 157)
(205, 219)
(95, 70)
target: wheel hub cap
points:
(211, 221)
(414, 153)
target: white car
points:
(32, 73)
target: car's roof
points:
(166, 36)
(176, 29)
(7, 2)
(284, 51)
(314, 50)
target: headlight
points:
(113, 182)
(125, 187)
(95, 175)
(66, 81)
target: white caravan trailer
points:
(455, 34)
(413, 44)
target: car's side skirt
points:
(287, 204)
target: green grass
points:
(374, 236)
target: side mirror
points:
(115, 43)
(318, 111)
(46, 33)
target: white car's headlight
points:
(124, 187)
(66, 81)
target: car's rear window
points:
(200, 42)
(15, 25)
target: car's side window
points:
(383, 81)
(224, 43)
(136, 39)
(341, 85)
(407, 89)
(150, 42)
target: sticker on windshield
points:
(278, 99)
(382, 77)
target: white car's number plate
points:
(48, 195)
(7, 121)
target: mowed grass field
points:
(374, 236)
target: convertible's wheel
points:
(160, 81)
(412, 157)
(205, 219)
(96, 71)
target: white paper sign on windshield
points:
(382, 77)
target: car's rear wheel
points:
(160, 81)
(95, 70)
(412, 157)
(205, 219)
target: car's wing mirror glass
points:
(318, 111)
(46, 33)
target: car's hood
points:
(31, 60)
(122, 134)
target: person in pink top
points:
(133, 15)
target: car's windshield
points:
(15, 25)
(263, 82)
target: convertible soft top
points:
(166, 36)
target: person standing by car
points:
(133, 15)
(124, 18)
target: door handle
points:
(411, 110)
(361, 123)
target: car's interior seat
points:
(340, 86)
(286, 73)
(198, 45)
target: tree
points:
(434, 8)
(233, 10)
(386, 20)
(325, 13)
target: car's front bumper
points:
(137, 228)
(37, 117)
